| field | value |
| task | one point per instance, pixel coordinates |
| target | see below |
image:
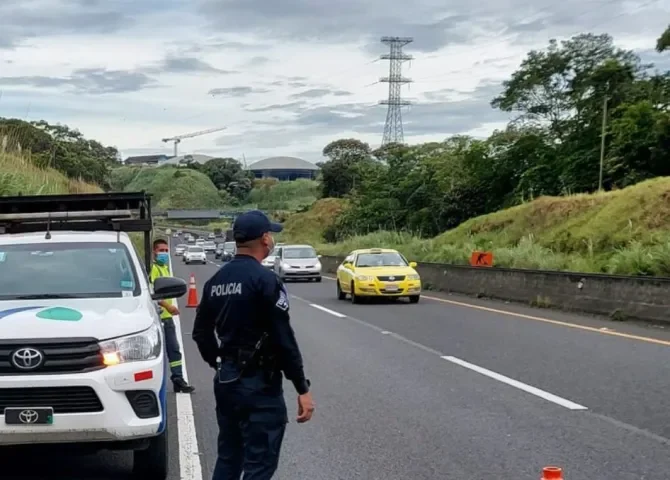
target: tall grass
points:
(20, 176)
(623, 232)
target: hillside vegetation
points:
(621, 232)
(19, 175)
(171, 187)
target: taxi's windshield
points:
(384, 259)
(66, 270)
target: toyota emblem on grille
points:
(27, 358)
(391, 278)
(28, 416)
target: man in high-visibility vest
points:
(160, 268)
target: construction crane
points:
(179, 138)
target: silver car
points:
(297, 262)
(180, 249)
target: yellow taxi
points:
(377, 272)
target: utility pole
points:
(602, 144)
(393, 131)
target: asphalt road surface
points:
(449, 388)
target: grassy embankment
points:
(620, 232)
(281, 199)
(19, 175)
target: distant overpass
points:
(197, 214)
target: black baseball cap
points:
(252, 225)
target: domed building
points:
(283, 168)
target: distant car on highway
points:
(211, 236)
(377, 272)
(269, 261)
(219, 250)
(195, 254)
(297, 262)
(180, 249)
(229, 250)
(210, 247)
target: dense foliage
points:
(560, 97)
(59, 147)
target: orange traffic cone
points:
(552, 473)
(192, 301)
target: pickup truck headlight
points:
(138, 347)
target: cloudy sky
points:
(284, 77)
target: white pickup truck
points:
(82, 357)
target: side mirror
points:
(169, 287)
(412, 264)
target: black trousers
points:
(252, 418)
(172, 348)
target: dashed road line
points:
(535, 318)
(550, 397)
(327, 310)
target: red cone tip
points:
(552, 473)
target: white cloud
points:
(284, 81)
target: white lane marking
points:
(496, 376)
(327, 310)
(550, 397)
(189, 458)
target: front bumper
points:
(375, 288)
(106, 405)
(301, 274)
(196, 260)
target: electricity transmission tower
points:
(393, 129)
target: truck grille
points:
(60, 356)
(61, 399)
(387, 278)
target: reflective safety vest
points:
(156, 272)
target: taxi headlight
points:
(413, 277)
(138, 347)
(365, 278)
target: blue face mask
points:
(162, 258)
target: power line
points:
(393, 131)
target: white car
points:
(297, 262)
(269, 261)
(195, 255)
(210, 247)
(211, 236)
(180, 249)
(81, 349)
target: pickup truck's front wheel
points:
(152, 463)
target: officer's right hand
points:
(305, 407)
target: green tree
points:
(663, 42)
(347, 161)
(228, 175)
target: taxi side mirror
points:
(412, 264)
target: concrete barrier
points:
(621, 297)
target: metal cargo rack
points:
(117, 212)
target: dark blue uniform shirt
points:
(241, 302)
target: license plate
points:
(29, 416)
(391, 288)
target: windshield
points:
(385, 259)
(66, 270)
(195, 249)
(303, 252)
(181, 246)
(229, 246)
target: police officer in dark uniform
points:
(245, 306)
